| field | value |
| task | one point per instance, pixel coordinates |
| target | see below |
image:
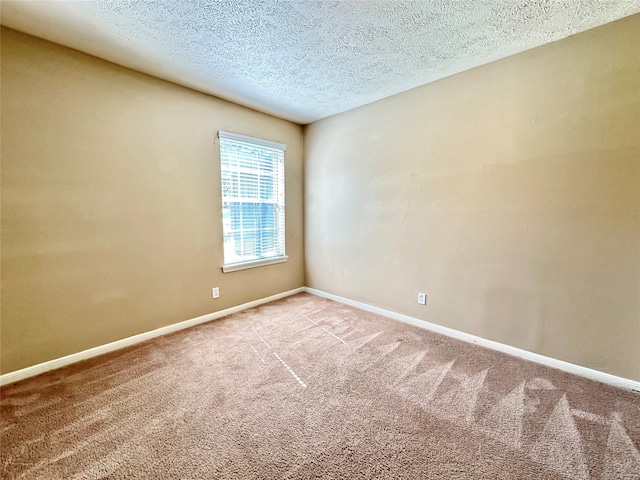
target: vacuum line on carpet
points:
(312, 321)
(260, 337)
(323, 328)
(290, 370)
(257, 353)
(592, 417)
(334, 335)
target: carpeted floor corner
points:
(309, 388)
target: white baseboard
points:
(607, 378)
(596, 375)
(18, 375)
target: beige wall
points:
(510, 194)
(111, 210)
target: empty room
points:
(320, 239)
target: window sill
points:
(234, 267)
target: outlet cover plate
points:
(422, 298)
(215, 291)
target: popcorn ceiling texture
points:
(306, 60)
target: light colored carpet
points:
(308, 388)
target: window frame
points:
(254, 142)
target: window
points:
(252, 201)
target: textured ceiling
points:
(306, 60)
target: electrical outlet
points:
(215, 292)
(422, 298)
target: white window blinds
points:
(252, 200)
